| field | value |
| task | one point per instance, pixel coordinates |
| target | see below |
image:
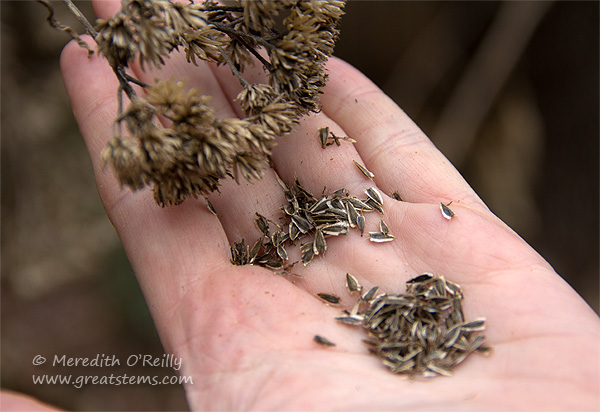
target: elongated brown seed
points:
(329, 297)
(352, 284)
(321, 340)
(364, 170)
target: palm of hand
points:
(245, 334)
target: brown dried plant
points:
(187, 158)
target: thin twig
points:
(234, 69)
(224, 8)
(54, 23)
(228, 30)
(88, 27)
(136, 81)
(255, 53)
(123, 82)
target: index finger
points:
(400, 155)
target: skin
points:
(245, 334)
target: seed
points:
(210, 206)
(379, 237)
(293, 231)
(262, 224)
(439, 370)
(373, 205)
(329, 298)
(383, 227)
(335, 229)
(319, 244)
(370, 294)
(421, 278)
(352, 284)
(303, 225)
(254, 251)
(320, 206)
(350, 320)
(364, 170)
(352, 214)
(307, 253)
(451, 336)
(475, 325)
(359, 204)
(360, 222)
(374, 194)
(396, 196)
(323, 341)
(281, 252)
(339, 193)
(421, 331)
(446, 211)
(323, 135)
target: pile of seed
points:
(306, 215)
(420, 332)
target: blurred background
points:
(507, 90)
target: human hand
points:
(245, 334)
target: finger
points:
(299, 153)
(14, 401)
(167, 247)
(106, 8)
(391, 145)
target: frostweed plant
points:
(291, 39)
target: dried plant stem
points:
(79, 15)
(237, 9)
(230, 31)
(58, 26)
(124, 82)
(255, 53)
(234, 69)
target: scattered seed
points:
(319, 244)
(370, 294)
(446, 211)
(323, 341)
(350, 320)
(328, 297)
(364, 170)
(379, 237)
(352, 284)
(383, 227)
(475, 325)
(425, 277)
(374, 194)
(323, 136)
(396, 196)
(262, 224)
(360, 222)
(373, 205)
(352, 214)
(307, 253)
(421, 331)
(210, 206)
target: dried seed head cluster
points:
(420, 332)
(189, 157)
(307, 215)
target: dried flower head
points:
(188, 157)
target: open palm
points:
(245, 334)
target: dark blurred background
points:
(508, 91)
